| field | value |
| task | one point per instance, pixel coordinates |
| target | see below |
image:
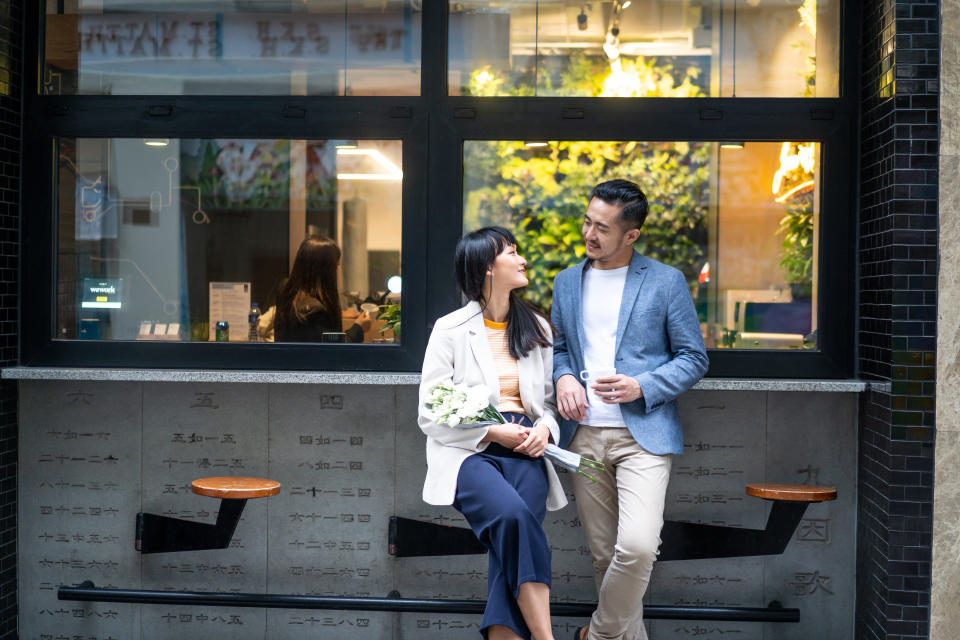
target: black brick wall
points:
(11, 46)
(897, 316)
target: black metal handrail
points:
(87, 592)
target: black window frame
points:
(433, 127)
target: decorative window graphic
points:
(309, 47)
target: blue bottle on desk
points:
(253, 319)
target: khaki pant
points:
(622, 515)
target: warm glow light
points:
(346, 146)
(535, 143)
(393, 284)
(626, 4)
(806, 157)
(790, 161)
(156, 142)
(620, 83)
(799, 187)
(808, 16)
(731, 145)
(484, 77)
(611, 47)
(391, 171)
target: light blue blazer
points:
(658, 343)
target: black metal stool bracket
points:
(163, 534)
(409, 538)
(681, 540)
(691, 541)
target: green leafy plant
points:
(797, 246)
(541, 194)
(390, 315)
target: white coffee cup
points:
(592, 374)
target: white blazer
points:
(458, 352)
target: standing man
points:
(620, 311)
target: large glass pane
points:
(645, 48)
(161, 239)
(229, 47)
(739, 220)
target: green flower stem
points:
(593, 464)
(492, 415)
(584, 473)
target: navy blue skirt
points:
(503, 496)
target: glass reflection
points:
(740, 220)
(229, 47)
(645, 48)
(162, 239)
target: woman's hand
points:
(536, 442)
(364, 321)
(510, 435)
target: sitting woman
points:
(308, 304)
(497, 476)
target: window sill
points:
(384, 378)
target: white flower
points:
(454, 404)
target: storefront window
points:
(740, 220)
(645, 48)
(162, 239)
(227, 47)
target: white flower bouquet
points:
(463, 407)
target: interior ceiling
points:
(666, 26)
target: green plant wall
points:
(541, 193)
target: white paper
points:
(230, 301)
(566, 459)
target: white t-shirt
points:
(601, 296)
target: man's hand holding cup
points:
(612, 387)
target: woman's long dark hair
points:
(313, 275)
(476, 253)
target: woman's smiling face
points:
(509, 269)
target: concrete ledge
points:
(378, 378)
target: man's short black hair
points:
(626, 195)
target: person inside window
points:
(308, 305)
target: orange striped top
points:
(506, 366)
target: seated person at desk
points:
(308, 304)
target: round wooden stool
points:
(163, 534)
(791, 492)
(235, 487)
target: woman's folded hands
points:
(531, 442)
(536, 443)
